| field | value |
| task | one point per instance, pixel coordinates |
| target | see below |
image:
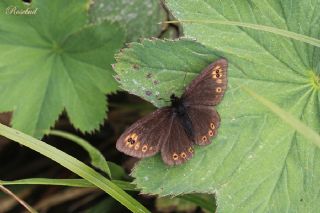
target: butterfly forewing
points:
(205, 121)
(178, 148)
(209, 87)
(191, 119)
(145, 137)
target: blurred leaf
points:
(113, 170)
(206, 202)
(140, 17)
(170, 33)
(53, 61)
(167, 204)
(107, 205)
(97, 159)
(117, 171)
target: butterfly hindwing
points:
(209, 87)
(205, 122)
(191, 119)
(145, 137)
(178, 148)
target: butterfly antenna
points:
(184, 81)
(162, 99)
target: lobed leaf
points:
(53, 61)
(257, 163)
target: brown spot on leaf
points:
(135, 66)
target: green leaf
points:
(53, 61)
(107, 205)
(73, 165)
(155, 69)
(168, 204)
(97, 159)
(300, 127)
(285, 33)
(140, 17)
(257, 163)
(206, 202)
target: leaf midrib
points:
(43, 98)
(284, 165)
(66, 71)
(287, 26)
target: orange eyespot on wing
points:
(144, 138)
(191, 119)
(178, 148)
(217, 72)
(209, 87)
(206, 121)
(218, 90)
(144, 148)
(175, 156)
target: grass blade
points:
(97, 159)
(23, 203)
(66, 182)
(285, 33)
(299, 126)
(73, 165)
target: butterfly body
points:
(180, 111)
(190, 120)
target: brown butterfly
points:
(191, 119)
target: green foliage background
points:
(60, 59)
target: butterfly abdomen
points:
(186, 123)
(181, 112)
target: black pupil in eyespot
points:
(217, 71)
(217, 75)
(130, 140)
